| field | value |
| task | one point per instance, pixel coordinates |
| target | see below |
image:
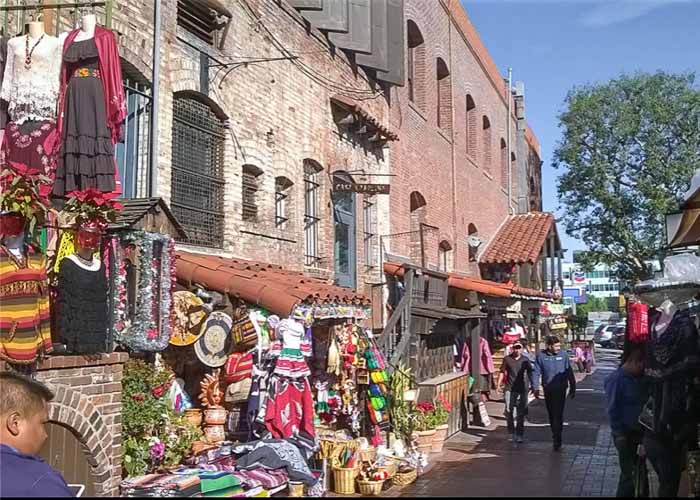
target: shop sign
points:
(547, 309)
(516, 307)
(353, 187)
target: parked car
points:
(605, 335)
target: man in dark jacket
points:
(553, 368)
(23, 414)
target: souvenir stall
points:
(287, 390)
(664, 317)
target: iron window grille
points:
(198, 183)
(370, 230)
(282, 190)
(250, 187)
(133, 153)
(311, 216)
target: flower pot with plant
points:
(425, 426)
(441, 414)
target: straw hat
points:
(189, 315)
(214, 344)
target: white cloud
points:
(617, 11)
(602, 12)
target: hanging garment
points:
(32, 92)
(25, 322)
(3, 60)
(290, 408)
(91, 91)
(465, 357)
(638, 322)
(31, 144)
(82, 306)
(275, 454)
(485, 357)
(86, 159)
(290, 349)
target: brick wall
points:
(88, 400)
(459, 187)
(279, 114)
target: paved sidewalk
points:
(482, 463)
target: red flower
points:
(158, 391)
(445, 404)
(425, 407)
(138, 397)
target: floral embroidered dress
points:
(290, 350)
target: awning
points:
(270, 286)
(521, 239)
(688, 228)
(439, 312)
(484, 287)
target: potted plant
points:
(22, 205)
(442, 416)
(425, 425)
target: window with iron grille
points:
(197, 197)
(201, 18)
(133, 153)
(445, 256)
(250, 186)
(283, 190)
(370, 230)
(311, 212)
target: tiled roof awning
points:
(484, 287)
(521, 239)
(267, 285)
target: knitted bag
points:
(238, 366)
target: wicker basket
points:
(389, 468)
(344, 480)
(368, 454)
(405, 478)
(370, 487)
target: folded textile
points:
(275, 454)
(222, 482)
(233, 491)
(268, 479)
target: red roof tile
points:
(270, 286)
(520, 239)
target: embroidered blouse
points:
(32, 93)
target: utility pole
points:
(509, 163)
(155, 101)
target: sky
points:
(554, 45)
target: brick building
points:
(451, 163)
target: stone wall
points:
(88, 401)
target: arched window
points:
(504, 163)
(473, 241)
(312, 212)
(514, 178)
(417, 201)
(419, 213)
(250, 185)
(471, 135)
(415, 64)
(197, 182)
(445, 256)
(486, 142)
(444, 97)
(283, 192)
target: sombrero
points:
(189, 315)
(214, 344)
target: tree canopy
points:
(628, 151)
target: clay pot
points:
(215, 416)
(214, 433)
(425, 440)
(194, 416)
(439, 438)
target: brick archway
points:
(76, 412)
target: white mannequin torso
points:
(87, 28)
(668, 310)
(36, 29)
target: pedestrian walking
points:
(623, 393)
(578, 358)
(23, 415)
(553, 369)
(515, 379)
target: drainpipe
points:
(155, 100)
(454, 130)
(509, 153)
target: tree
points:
(628, 151)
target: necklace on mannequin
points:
(28, 53)
(87, 262)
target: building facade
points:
(451, 166)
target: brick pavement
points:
(482, 463)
